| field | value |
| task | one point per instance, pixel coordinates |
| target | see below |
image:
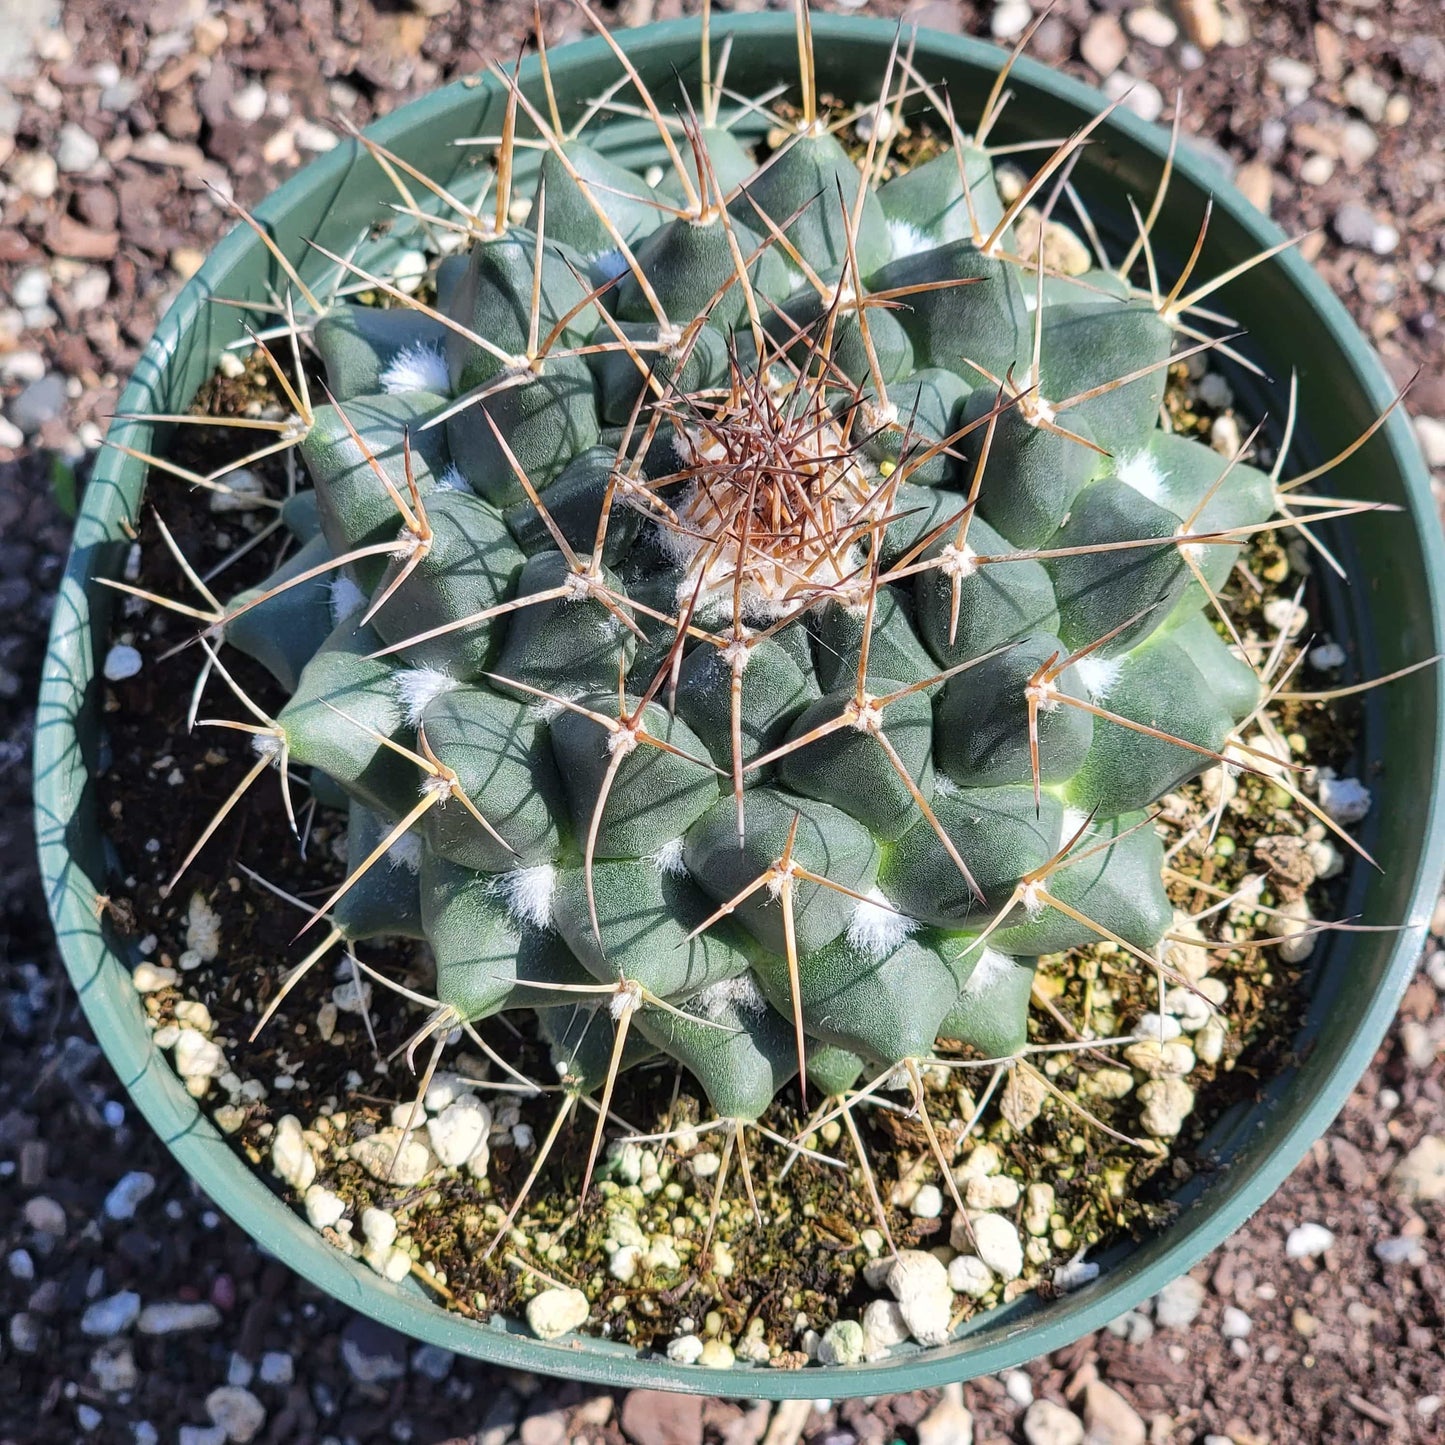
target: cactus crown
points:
(749, 616)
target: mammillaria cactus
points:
(749, 615)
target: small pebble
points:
(883, 1327)
(842, 1343)
(1167, 1103)
(277, 1368)
(323, 1208)
(556, 1312)
(919, 1282)
(1234, 1324)
(685, 1350)
(997, 1244)
(1346, 800)
(1366, 95)
(949, 1422)
(76, 150)
(1430, 433)
(36, 174)
(1151, 26)
(1158, 1026)
(248, 103)
(717, 1355)
(31, 287)
(1009, 20)
(26, 1332)
(88, 1417)
(1292, 76)
(177, 1317)
(378, 1155)
(1308, 1241)
(991, 1191)
(201, 1435)
(378, 1227)
(433, 1362)
(1018, 1387)
(1109, 1419)
(969, 1275)
(459, 1129)
(127, 1194)
(1403, 1249)
(1075, 1274)
(237, 1412)
(1353, 224)
(1179, 1303)
(927, 1203)
(1104, 44)
(1327, 657)
(1358, 144)
(291, 1157)
(45, 1216)
(1046, 1423)
(152, 977)
(121, 662)
(112, 1315)
(243, 491)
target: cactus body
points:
(810, 692)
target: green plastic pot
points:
(1390, 613)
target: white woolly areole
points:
(1099, 674)
(418, 367)
(877, 928)
(957, 562)
(527, 892)
(406, 853)
(1141, 471)
(1074, 819)
(989, 969)
(907, 240)
(741, 992)
(346, 597)
(452, 480)
(266, 745)
(417, 686)
(668, 858)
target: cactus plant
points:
(749, 617)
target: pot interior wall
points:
(1388, 616)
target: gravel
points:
(41, 401)
(1046, 1423)
(1179, 1303)
(1308, 1241)
(112, 1315)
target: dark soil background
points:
(114, 115)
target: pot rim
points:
(65, 726)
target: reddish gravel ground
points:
(1331, 113)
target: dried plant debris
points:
(800, 794)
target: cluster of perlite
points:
(749, 616)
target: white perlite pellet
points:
(997, 1244)
(557, 1312)
(919, 1283)
(459, 1130)
(291, 1158)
